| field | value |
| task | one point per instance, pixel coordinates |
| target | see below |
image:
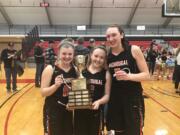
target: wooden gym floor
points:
(21, 112)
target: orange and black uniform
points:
(87, 122)
(59, 119)
(126, 104)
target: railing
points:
(94, 30)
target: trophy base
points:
(79, 107)
(80, 99)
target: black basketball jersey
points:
(123, 61)
(96, 83)
(62, 93)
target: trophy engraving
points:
(80, 96)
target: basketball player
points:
(87, 122)
(127, 68)
(55, 87)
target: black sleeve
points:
(1, 57)
(4, 55)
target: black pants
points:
(126, 115)
(87, 122)
(45, 119)
(39, 70)
(177, 76)
(60, 121)
(11, 72)
(152, 66)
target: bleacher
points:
(144, 44)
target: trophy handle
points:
(80, 74)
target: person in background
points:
(92, 43)
(161, 62)
(50, 56)
(80, 49)
(55, 86)
(128, 68)
(177, 70)
(152, 55)
(39, 60)
(170, 62)
(8, 56)
(88, 121)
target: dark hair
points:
(51, 42)
(10, 44)
(152, 45)
(80, 40)
(92, 50)
(124, 41)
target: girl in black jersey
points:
(55, 86)
(87, 122)
(128, 68)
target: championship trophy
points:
(80, 97)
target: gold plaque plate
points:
(80, 99)
(79, 84)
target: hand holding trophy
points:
(80, 97)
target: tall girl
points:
(128, 68)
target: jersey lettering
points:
(118, 63)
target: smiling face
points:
(113, 37)
(98, 57)
(66, 55)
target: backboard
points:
(171, 8)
